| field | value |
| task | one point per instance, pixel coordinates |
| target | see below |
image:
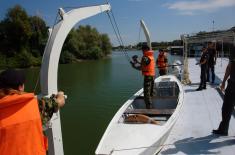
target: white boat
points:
(144, 137)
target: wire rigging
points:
(38, 76)
(118, 34)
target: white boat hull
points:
(138, 139)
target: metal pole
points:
(213, 28)
(186, 79)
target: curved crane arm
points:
(50, 61)
(56, 40)
(146, 33)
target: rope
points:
(36, 85)
(118, 35)
(170, 66)
(171, 144)
(117, 27)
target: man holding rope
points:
(147, 66)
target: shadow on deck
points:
(201, 145)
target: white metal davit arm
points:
(146, 33)
(56, 40)
(50, 61)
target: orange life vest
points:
(20, 126)
(149, 70)
(161, 62)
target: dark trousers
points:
(212, 69)
(203, 77)
(162, 72)
(228, 106)
(148, 90)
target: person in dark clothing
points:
(147, 66)
(211, 61)
(203, 62)
(229, 99)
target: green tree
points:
(17, 30)
(23, 39)
(39, 35)
(87, 43)
(106, 46)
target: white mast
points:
(49, 69)
(146, 33)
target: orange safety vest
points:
(149, 70)
(20, 126)
(161, 62)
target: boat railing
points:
(150, 111)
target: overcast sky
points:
(166, 19)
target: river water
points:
(96, 90)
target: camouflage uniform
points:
(47, 106)
(148, 84)
(148, 90)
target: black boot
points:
(219, 132)
(199, 89)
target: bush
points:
(67, 57)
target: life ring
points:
(138, 118)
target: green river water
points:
(96, 90)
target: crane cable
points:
(38, 76)
(117, 33)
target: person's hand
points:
(222, 86)
(132, 63)
(134, 57)
(60, 99)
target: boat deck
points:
(200, 114)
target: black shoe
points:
(221, 133)
(203, 87)
(199, 89)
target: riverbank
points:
(12, 63)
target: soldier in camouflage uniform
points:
(9, 81)
(21, 111)
(147, 66)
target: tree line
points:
(24, 37)
(155, 45)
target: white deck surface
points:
(201, 114)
